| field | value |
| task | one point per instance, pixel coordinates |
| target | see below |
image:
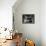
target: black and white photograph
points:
(28, 18)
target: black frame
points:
(28, 18)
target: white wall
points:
(31, 31)
(43, 22)
(6, 13)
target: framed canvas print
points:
(28, 18)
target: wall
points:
(30, 31)
(6, 13)
(43, 22)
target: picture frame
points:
(28, 18)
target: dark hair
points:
(34, 44)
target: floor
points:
(16, 41)
(9, 43)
